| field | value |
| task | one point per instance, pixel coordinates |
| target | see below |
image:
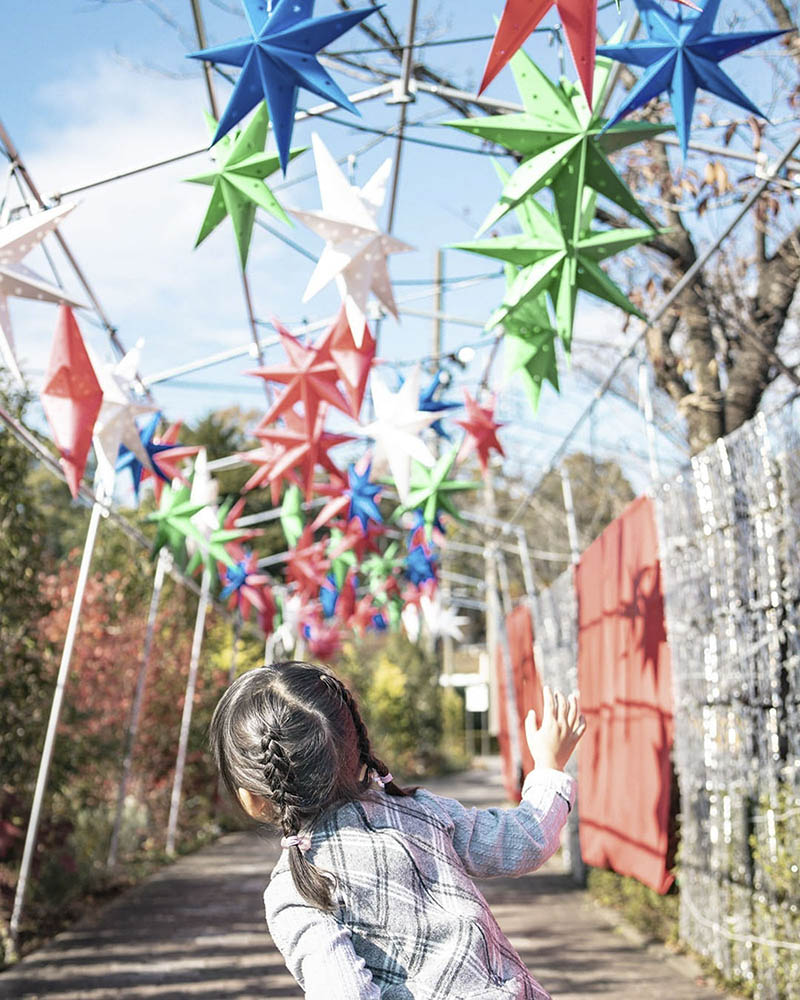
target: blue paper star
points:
(278, 59)
(126, 459)
(328, 596)
(420, 565)
(379, 623)
(680, 56)
(362, 495)
(418, 523)
(430, 405)
(235, 578)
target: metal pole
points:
(52, 725)
(646, 403)
(569, 510)
(403, 97)
(136, 708)
(188, 704)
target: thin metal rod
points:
(136, 707)
(237, 634)
(52, 725)
(569, 513)
(678, 288)
(646, 402)
(208, 67)
(188, 705)
(405, 97)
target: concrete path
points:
(196, 929)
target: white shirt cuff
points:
(547, 779)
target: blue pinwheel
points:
(127, 459)
(428, 404)
(681, 56)
(278, 59)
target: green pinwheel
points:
(292, 520)
(555, 260)
(530, 344)
(561, 142)
(173, 520)
(431, 491)
(241, 165)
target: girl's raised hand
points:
(552, 743)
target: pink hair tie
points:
(382, 779)
(303, 842)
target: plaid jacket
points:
(410, 923)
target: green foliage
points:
(652, 914)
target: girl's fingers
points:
(549, 704)
(561, 708)
(581, 727)
(572, 710)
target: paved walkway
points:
(196, 929)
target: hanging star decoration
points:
(396, 429)
(431, 490)
(553, 260)
(116, 424)
(481, 431)
(341, 555)
(417, 533)
(420, 565)
(428, 402)
(353, 363)
(210, 546)
(521, 18)
(358, 498)
(238, 180)
(355, 246)
(292, 520)
(561, 143)
(681, 55)
(127, 459)
(171, 457)
(309, 379)
(277, 59)
(17, 239)
(291, 453)
(173, 521)
(71, 397)
(441, 621)
(307, 565)
(529, 339)
(246, 588)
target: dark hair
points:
(291, 732)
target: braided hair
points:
(292, 734)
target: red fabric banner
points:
(528, 690)
(625, 681)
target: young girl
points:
(372, 896)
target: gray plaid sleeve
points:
(493, 842)
(317, 949)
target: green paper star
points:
(552, 261)
(292, 520)
(241, 165)
(562, 143)
(173, 518)
(379, 566)
(530, 350)
(431, 491)
(211, 548)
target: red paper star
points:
(307, 565)
(324, 641)
(167, 461)
(346, 602)
(481, 428)
(362, 616)
(71, 397)
(352, 363)
(309, 378)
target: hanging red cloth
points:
(528, 690)
(625, 681)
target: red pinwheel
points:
(521, 17)
(309, 377)
(167, 461)
(481, 429)
(71, 397)
(352, 363)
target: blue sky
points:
(89, 89)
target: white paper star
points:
(205, 490)
(441, 621)
(411, 623)
(288, 631)
(16, 241)
(355, 247)
(116, 422)
(396, 429)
